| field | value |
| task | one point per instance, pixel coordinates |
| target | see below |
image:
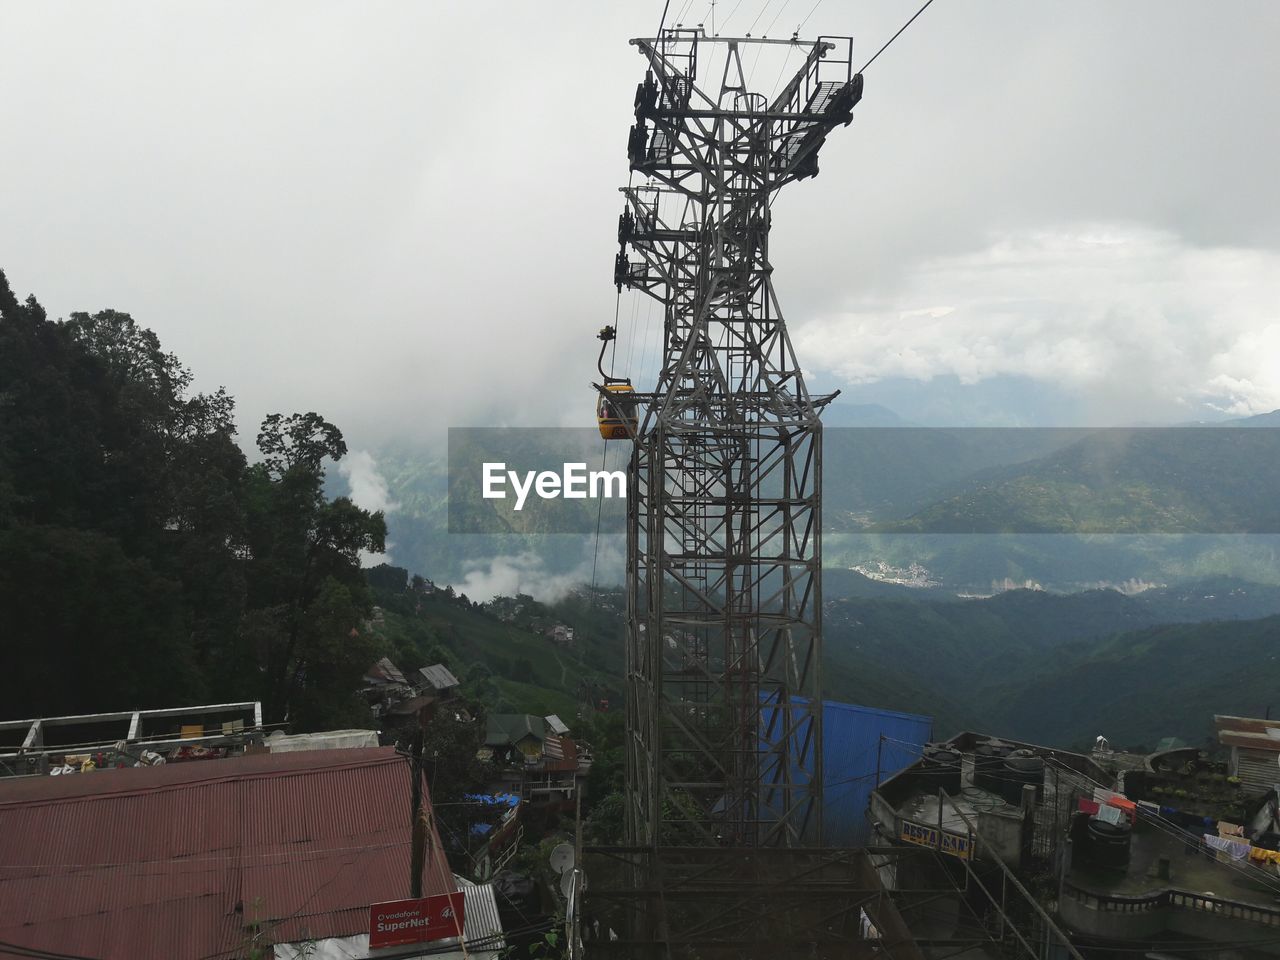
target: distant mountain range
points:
(1175, 480)
(899, 494)
(1013, 664)
(1140, 686)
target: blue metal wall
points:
(851, 749)
(858, 742)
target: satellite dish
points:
(567, 883)
(562, 857)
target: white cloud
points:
(368, 491)
(506, 576)
(1137, 320)
(368, 487)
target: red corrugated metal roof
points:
(181, 861)
(560, 754)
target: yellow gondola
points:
(616, 412)
(616, 407)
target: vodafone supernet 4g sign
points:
(416, 921)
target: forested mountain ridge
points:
(1138, 687)
(993, 664)
(1218, 479)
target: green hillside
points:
(1181, 480)
(1027, 664)
(499, 650)
(1141, 686)
(963, 662)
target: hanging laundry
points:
(1234, 849)
(1110, 814)
(1259, 855)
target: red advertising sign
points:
(416, 921)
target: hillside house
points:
(515, 737)
(1253, 746)
(438, 681)
(385, 685)
(560, 633)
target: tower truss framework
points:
(724, 731)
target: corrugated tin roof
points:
(1249, 741)
(559, 753)
(482, 926)
(439, 677)
(385, 671)
(178, 861)
(556, 724)
(1252, 733)
(502, 729)
(1244, 724)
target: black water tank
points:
(1021, 768)
(940, 768)
(1108, 844)
(988, 764)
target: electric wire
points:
(811, 12)
(604, 450)
(777, 16)
(758, 16)
(724, 24)
(896, 35)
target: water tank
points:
(988, 764)
(940, 768)
(1107, 844)
(1021, 768)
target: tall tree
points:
(143, 561)
(304, 565)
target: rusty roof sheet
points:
(183, 861)
(386, 672)
(559, 753)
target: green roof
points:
(504, 729)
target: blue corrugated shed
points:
(852, 751)
(856, 743)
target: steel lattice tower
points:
(724, 732)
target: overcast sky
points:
(403, 214)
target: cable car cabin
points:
(617, 412)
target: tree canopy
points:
(144, 560)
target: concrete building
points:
(1253, 747)
(1173, 856)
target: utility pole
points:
(417, 855)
